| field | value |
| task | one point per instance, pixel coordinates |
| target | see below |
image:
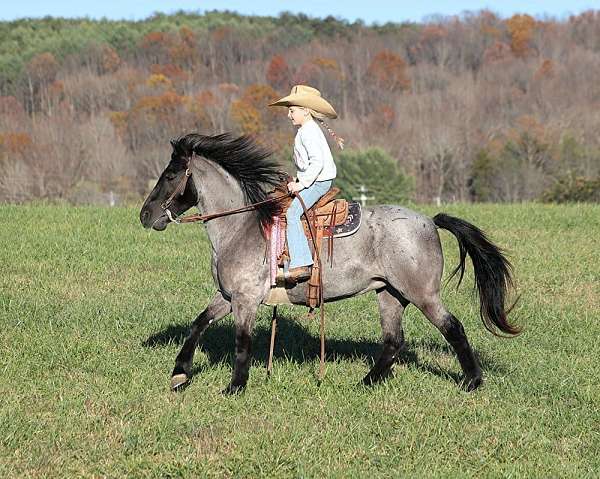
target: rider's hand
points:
(294, 187)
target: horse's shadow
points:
(296, 344)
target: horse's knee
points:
(393, 341)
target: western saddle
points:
(323, 217)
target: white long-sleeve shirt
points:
(312, 155)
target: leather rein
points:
(194, 218)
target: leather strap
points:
(321, 300)
(250, 207)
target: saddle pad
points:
(352, 223)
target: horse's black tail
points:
(492, 272)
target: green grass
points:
(94, 309)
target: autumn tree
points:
(156, 47)
(251, 112)
(521, 29)
(41, 72)
(278, 73)
(184, 49)
(388, 71)
(468, 102)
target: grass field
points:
(94, 308)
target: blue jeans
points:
(297, 242)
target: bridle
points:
(180, 188)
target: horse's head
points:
(173, 193)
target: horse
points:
(396, 252)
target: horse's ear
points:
(173, 142)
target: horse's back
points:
(394, 245)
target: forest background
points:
(464, 108)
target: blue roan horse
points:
(396, 252)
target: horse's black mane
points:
(249, 163)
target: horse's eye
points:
(170, 176)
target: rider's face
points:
(298, 115)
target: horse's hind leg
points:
(391, 308)
(218, 308)
(453, 331)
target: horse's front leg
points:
(218, 308)
(244, 308)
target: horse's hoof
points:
(232, 390)
(470, 384)
(368, 381)
(373, 379)
(179, 382)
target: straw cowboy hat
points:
(306, 96)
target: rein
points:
(208, 217)
(194, 218)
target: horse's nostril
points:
(144, 216)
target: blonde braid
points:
(338, 139)
(319, 117)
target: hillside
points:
(472, 108)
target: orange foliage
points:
(546, 70)
(498, 52)
(154, 39)
(259, 96)
(183, 51)
(56, 89)
(156, 46)
(246, 117)
(15, 143)
(529, 125)
(327, 64)
(432, 33)
(382, 119)
(488, 21)
(9, 105)
(278, 73)
(307, 74)
(315, 70)
(388, 71)
(188, 37)
(521, 29)
(198, 104)
(159, 106)
(206, 97)
(220, 34)
(119, 121)
(110, 60)
(158, 80)
(491, 31)
(229, 88)
(43, 67)
(173, 72)
(387, 115)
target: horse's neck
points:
(218, 191)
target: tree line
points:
(465, 108)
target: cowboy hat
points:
(308, 97)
